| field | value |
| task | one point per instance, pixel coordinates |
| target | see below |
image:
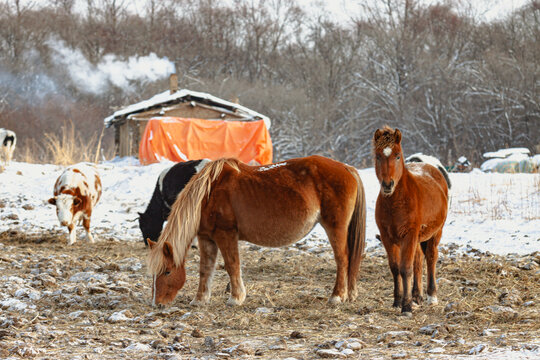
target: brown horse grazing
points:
(273, 205)
(410, 213)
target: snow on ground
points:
(499, 213)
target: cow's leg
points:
(10, 154)
(86, 224)
(72, 234)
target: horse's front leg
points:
(207, 265)
(394, 254)
(408, 251)
(227, 241)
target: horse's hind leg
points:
(207, 264)
(432, 254)
(228, 245)
(338, 240)
(418, 290)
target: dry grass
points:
(67, 147)
(294, 287)
(499, 196)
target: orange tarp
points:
(181, 139)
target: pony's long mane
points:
(184, 219)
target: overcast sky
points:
(345, 9)
(486, 9)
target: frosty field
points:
(92, 301)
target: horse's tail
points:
(185, 217)
(356, 237)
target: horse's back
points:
(277, 204)
(428, 177)
(173, 180)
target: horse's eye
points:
(398, 157)
(167, 273)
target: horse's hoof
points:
(234, 302)
(196, 302)
(407, 314)
(432, 300)
(334, 300)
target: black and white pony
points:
(419, 157)
(169, 184)
(8, 140)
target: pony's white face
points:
(65, 205)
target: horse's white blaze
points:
(387, 151)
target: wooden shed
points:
(129, 123)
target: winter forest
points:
(455, 84)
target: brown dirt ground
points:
(293, 285)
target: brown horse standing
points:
(273, 205)
(410, 213)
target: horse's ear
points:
(397, 136)
(140, 213)
(167, 249)
(151, 243)
(377, 135)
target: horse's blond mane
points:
(184, 219)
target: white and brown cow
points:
(8, 140)
(76, 192)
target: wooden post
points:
(173, 83)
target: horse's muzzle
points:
(387, 188)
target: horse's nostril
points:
(387, 186)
